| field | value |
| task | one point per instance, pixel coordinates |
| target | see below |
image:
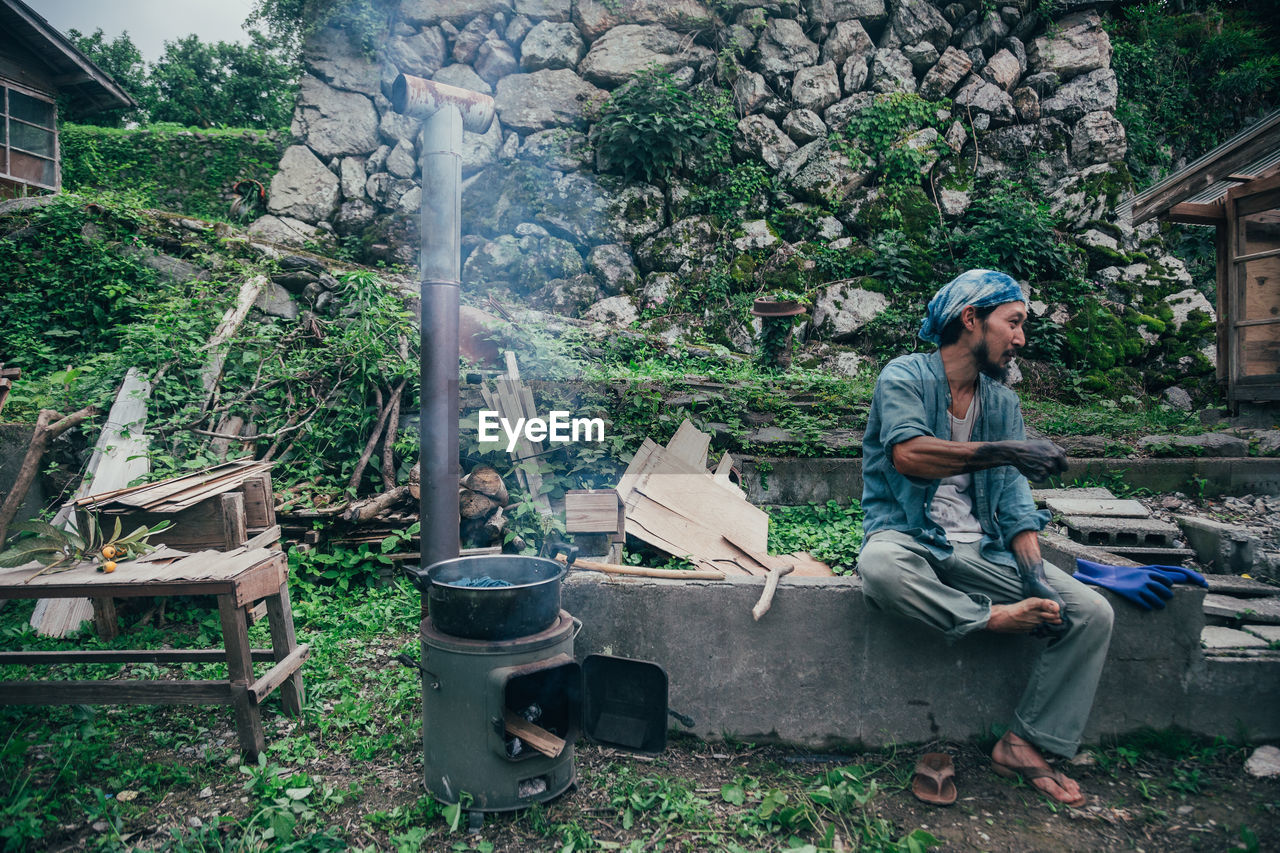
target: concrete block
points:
(1087, 493)
(1240, 587)
(1153, 556)
(825, 668)
(1265, 611)
(1270, 633)
(1217, 637)
(1095, 507)
(1141, 532)
(1228, 548)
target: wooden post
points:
(105, 622)
(283, 643)
(235, 636)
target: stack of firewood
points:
(482, 500)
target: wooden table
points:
(238, 578)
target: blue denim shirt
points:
(911, 398)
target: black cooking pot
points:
(531, 604)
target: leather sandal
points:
(1033, 773)
(934, 779)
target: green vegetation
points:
(168, 167)
(650, 128)
(195, 83)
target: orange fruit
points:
(108, 567)
(110, 551)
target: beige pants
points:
(901, 576)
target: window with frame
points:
(28, 138)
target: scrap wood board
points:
(177, 493)
(513, 401)
(673, 503)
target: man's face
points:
(1001, 338)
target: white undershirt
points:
(952, 505)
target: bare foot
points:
(1024, 616)
(1016, 754)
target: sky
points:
(150, 23)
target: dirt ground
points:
(1200, 799)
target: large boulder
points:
(820, 173)
(421, 54)
(1097, 138)
(636, 211)
(1003, 69)
(915, 21)
(545, 10)
(871, 12)
(464, 77)
(803, 126)
(613, 268)
(495, 59)
(757, 137)
(352, 174)
(783, 49)
(685, 241)
(596, 17)
(303, 188)
(333, 122)
(987, 98)
(544, 99)
(569, 297)
(467, 42)
(1077, 45)
(578, 207)
(479, 150)
(750, 92)
(843, 307)
(943, 78)
(846, 39)
(816, 87)
(1087, 93)
(1184, 302)
(616, 311)
(891, 71)
(551, 45)
(420, 13)
(985, 34)
(560, 149)
(330, 56)
(617, 55)
(284, 229)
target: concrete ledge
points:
(824, 668)
(792, 481)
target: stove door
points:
(624, 703)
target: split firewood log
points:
(487, 481)
(415, 482)
(495, 525)
(475, 505)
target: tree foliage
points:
(195, 83)
(291, 21)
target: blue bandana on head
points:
(979, 288)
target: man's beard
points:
(986, 365)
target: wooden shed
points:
(1236, 189)
(38, 65)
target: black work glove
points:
(1036, 460)
(1036, 585)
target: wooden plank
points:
(269, 538)
(1109, 508)
(278, 674)
(808, 566)
(114, 693)
(264, 580)
(1197, 214)
(643, 572)
(235, 636)
(259, 502)
(126, 656)
(593, 511)
(231, 322)
(284, 644)
(662, 528)
(699, 499)
(231, 508)
(535, 736)
(690, 444)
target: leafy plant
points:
(36, 541)
(831, 532)
(650, 127)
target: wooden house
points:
(1236, 189)
(39, 66)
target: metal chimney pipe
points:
(447, 111)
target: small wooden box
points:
(594, 511)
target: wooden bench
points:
(238, 578)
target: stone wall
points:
(1029, 97)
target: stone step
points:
(1241, 587)
(1217, 637)
(1152, 556)
(1137, 532)
(1264, 611)
(1087, 493)
(1270, 633)
(1097, 507)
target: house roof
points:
(1250, 154)
(86, 85)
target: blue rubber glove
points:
(1145, 588)
(1177, 574)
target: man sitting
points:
(951, 529)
